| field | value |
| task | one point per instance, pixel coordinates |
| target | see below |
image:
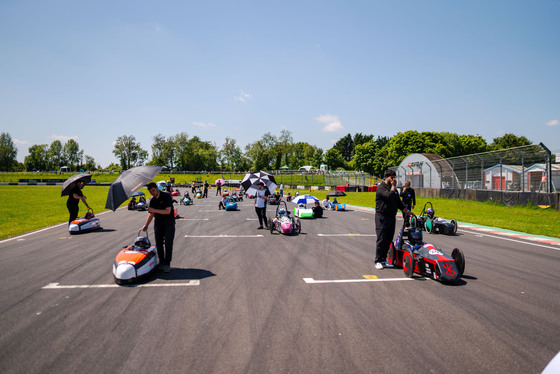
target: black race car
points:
(411, 253)
(430, 223)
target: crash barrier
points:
(508, 198)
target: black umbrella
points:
(251, 181)
(137, 193)
(336, 193)
(71, 182)
(128, 183)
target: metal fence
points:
(322, 178)
(522, 169)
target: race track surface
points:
(240, 300)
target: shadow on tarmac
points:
(184, 274)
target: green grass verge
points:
(28, 208)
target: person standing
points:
(206, 185)
(74, 199)
(260, 206)
(387, 203)
(161, 209)
(408, 197)
(281, 189)
(218, 188)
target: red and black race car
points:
(411, 253)
(431, 224)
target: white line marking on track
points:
(224, 236)
(510, 239)
(57, 286)
(311, 280)
(349, 234)
(195, 219)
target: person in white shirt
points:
(260, 206)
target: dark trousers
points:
(385, 230)
(73, 209)
(164, 233)
(205, 194)
(218, 191)
(261, 213)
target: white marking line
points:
(251, 219)
(311, 280)
(194, 219)
(57, 286)
(510, 239)
(346, 234)
(224, 236)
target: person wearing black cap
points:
(161, 208)
(260, 206)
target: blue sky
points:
(95, 70)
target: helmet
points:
(415, 235)
(430, 212)
(142, 242)
(89, 215)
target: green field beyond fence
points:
(28, 208)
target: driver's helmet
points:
(142, 242)
(415, 235)
(89, 215)
(430, 212)
(281, 211)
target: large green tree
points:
(509, 141)
(37, 158)
(71, 153)
(364, 156)
(8, 152)
(231, 156)
(199, 155)
(334, 159)
(55, 155)
(262, 152)
(129, 152)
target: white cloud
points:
(63, 138)
(553, 122)
(331, 123)
(20, 142)
(243, 97)
(204, 124)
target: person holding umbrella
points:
(260, 205)
(74, 198)
(161, 208)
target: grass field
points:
(28, 208)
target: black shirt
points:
(387, 202)
(163, 201)
(317, 212)
(408, 196)
(76, 190)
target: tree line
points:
(362, 152)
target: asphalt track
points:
(239, 300)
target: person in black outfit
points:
(206, 185)
(408, 199)
(161, 208)
(74, 199)
(387, 203)
(218, 188)
(317, 210)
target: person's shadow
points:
(184, 274)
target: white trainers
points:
(378, 265)
(388, 265)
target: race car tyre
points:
(391, 254)
(454, 230)
(298, 225)
(408, 263)
(459, 258)
(272, 225)
(429, 225)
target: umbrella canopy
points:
(305, 199)
(137, 193)
(222, 182)
(336, 193)
(128, 183)
(71, 182)
(251, 182)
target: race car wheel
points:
(459, 258)
(429, 225)
(391, 255)
(454, 230)
(408, 263)
(271, 224)
(298, 225)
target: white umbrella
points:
(305, 199)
